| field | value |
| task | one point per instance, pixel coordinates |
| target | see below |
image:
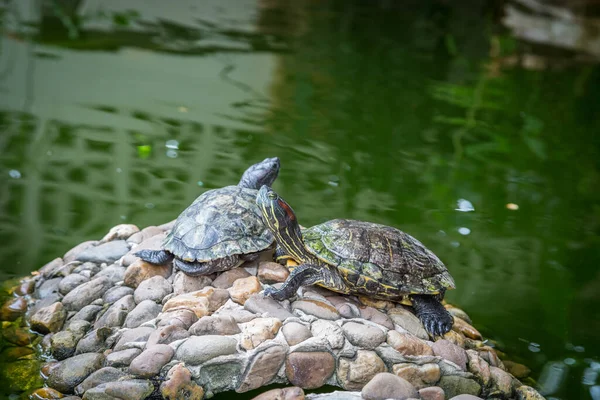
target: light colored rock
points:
(116, 293)
(183, 318)
(262, 368)
(272, 272)
(94, 341)
(116, 313)
(115, 273)
(154, 288)
(266, 306)
(167, 334)
(527, 393)
(295, 332)
(49, 319)
(140, 270)
(353, 374)
(257, 331)
(72, 371)
(363, 335)
(309, 370)
(319, 309)
(103, 375)
(420, 376)
(86, 293)
(198, 349)
(50, 268)
(139, 334)
(408, 344)
(432, 393)
(502, 381)
(479, 367)
(408, 321)
(455, 337)
(120, 232)
(150, 361)
(227, 278)
(243, 288)
(145, 234)
(287, 393)
(122, 358)
(143, 312)
(374, 315)
(201, 302)
(70, 282)
(215, 325)
(450, 352)
(74, 252)
(330, 331)
(104, 253)
(388, 386)
(183, 283)
(134, 389)
(466, 329)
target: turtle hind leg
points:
(159, 257)
(436, 320)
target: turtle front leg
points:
(304, 275)
(435, 318)
(158, 257)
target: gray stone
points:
(151, 360)
(154, 288)
(74, 252)
(295, 332)
(450, 352)
(94, 341)
(466, 397)
(134, 389)
(72, 371)
(143, 312)
(64, 344)
(48, 287)
(85, 294)
(139, 334)
(215, 325)
(198, 349)
(183, 283)
(183, 318)
(408, 321)
(262, 367)
(226, 279)
(116, 293)
(50, 268)
(87, 269)
(103, 375)
(42, 303)
(374, 315)
(330, 331)
(220, 376)
(267, 307)
(167, 334)
(48, 319)
(116, 313)
(87, 313)
(319, 309)
(114, 272)
(122, 358)
(432, 393)
(362, 335)
(104, 253)
(70, 282)
(388, 386)
(454, 385)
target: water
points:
(400, 115)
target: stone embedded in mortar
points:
(328, 330)
(179, 385)
(115, 293)
(70, 282)
(408, 344)
(215, 325)
(140, 270)
(167, 334)
(151, 360)
(49, 319)
(135, 389)
(375, 303)
(103, 375)
(502, 381)
(527, 393)
(319, 309)
(201, 302)
(104, 253)
(220, 375)
(267, 306)
(272, 272)
(154, 288)
(345, 307)
(143, 312)
(114, 272)
(420, 376)
(139, 334)
(479, 367)
(87, 269)
(72, 371)
(198, 349)
(183, 283)
(13, 309)
(374, 315)
(85, 294)
(450, 352)
(466, 329)
(262, 367)
(94, 341)
(490, 355)
(120, 232)
(122, 358)
(64, 344)
(295, 332)
(388, 386)
(402, 317)
(363, 335)
(183, 318)
(115, 314)
(227, 278)
(287, 393)
(243, 288)
(432, 393)
(353, 374)
(257, 331)
(454, 385)
(309, 370)
(87, 313)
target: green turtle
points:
(221, 229)
(357, 257)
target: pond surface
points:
(398, 115)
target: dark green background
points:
(379, 112)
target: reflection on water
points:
(395, 114)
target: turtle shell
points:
(378, 260)
(219, 223)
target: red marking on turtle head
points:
(287, 209)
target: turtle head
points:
(281, 220)
(262, 173)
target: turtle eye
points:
(272, 196)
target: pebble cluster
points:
(115, 327)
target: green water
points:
(393, 114)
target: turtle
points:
(221, 229)
(359, 257)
